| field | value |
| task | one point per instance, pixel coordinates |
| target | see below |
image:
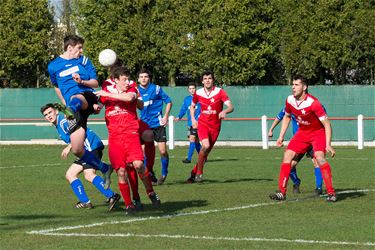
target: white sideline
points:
(55, 231)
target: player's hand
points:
(329, 149)
(270, 134)
(164, 121)
(97, 108)
(194, 124)
(65, 153)
(279, 142)
(77, 78)
(222, 114)
(176, 119)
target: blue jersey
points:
(295, 125)
(186, 107)
(153, 98)
(92, 141)
(61, 70)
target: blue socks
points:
(92, 160)
(198, 147)
(191, 150)
(79, 191)
(98, 182)
(75, 104)
(318, 178)
(293, 176)
(164, 165)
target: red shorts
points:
(205, 132)
(124, 149)
(302, 141)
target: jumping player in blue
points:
(74, 77)
(153, 98)
(192, 132)
(92, 144)
(310, 154)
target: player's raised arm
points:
(284, 126)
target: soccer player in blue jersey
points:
(74, 78)
(93, 144)
(153, 98)
(310, 154)
(192, 132)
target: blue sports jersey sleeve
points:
(62, 129)
(184, 107)
(92, 140)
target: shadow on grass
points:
(168, 207)
(220, 160)
(349, 193)
(211, 181)
(17, 222)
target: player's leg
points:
(79, 190)
(160, 136)
(293, 174)
(191, 149)
(143, 175)
(204, 136)
(98, 182)
(117, 156)
(297, 145)
(317, 173)
(319, 147)
(147, 137)
(133, 181)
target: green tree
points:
(25, 28)
(328, 39)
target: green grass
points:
(36, 196)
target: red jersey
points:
(309, 112)
(121, 117)
(211, 105)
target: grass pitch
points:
(229, 210)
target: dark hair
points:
(145, 71)
(120, 71)
(192, 84)
(72, 40)
(207, 73)
(303, 80)
(45, 107)
(118, 63)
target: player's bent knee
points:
(148, 136)
(289, 156)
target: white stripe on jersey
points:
(147, 103)
(85, 59)
(157, 90)
(201, 92)
(304, 104)
(62, 125)
(69, 71)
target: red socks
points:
(284, 176)
(150, 155)
(125, 192)
(327, 177)
(133, 181)
(201, 160)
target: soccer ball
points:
(107, 57)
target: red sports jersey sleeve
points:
(318, 109)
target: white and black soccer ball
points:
(107, 57)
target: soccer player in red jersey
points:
(211, 99)
(121, 118)
(314, 130)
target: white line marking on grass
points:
(31, 166)
(212, 238)
(53, 231)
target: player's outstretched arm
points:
(273, 126)
(328, 131)
(284, 127)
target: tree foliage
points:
(25, 28)
(244, 42)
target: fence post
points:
(171, 132)
(264, 132)
(360, 132)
